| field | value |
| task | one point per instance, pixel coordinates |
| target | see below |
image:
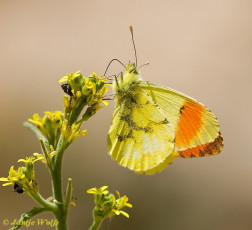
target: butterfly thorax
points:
(131, 76)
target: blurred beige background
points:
(201, 48)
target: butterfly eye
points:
(133, 70)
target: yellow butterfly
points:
(153, 124)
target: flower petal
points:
(63, 79)
(128, 205)
(116, 212)
(104, 188)
(92, 190)
(125, 214)
(6, 184)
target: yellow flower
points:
(102, 79)
(13, 177)
(65, 78)
(101, 190)
(39, 157)
(120, 203)
(88, 86)
(72, 133)
(97, 98)
(107, 205)
(55, 118)
(36, 120)
(29, 160)
(77, 134)
(78, 94)
(74, 80)
(42, 158)
(70, 77)
(49, 125)
(84, 91)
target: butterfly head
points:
(123, 82)
(131, 68)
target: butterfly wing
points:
(140, 136)
(196, 128)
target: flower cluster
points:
(56, 131)
(49, 125)
(106, 205)
(80, 86)
(24, 177)
(71, 133)
(83, 91)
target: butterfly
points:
(153, 124)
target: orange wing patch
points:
(197, 133)
(189, 123)
(207, 149)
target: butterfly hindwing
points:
(140, 137)
(196, 127)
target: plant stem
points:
(96, 224)
(27, 215)
(40, 200)
(56, 172)
(62, 220)
(76, 112)
(68, 194)
(60, 212)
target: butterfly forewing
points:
(140, 137)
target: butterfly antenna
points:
(110, 64)
(147, 63)
(132, 37)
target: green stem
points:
(56, 172)
(28, 215)
(40, 200)
(96, 224)
(76, 113)
(68, 193)
(61, 212)
(62, 221)
(48, 159)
